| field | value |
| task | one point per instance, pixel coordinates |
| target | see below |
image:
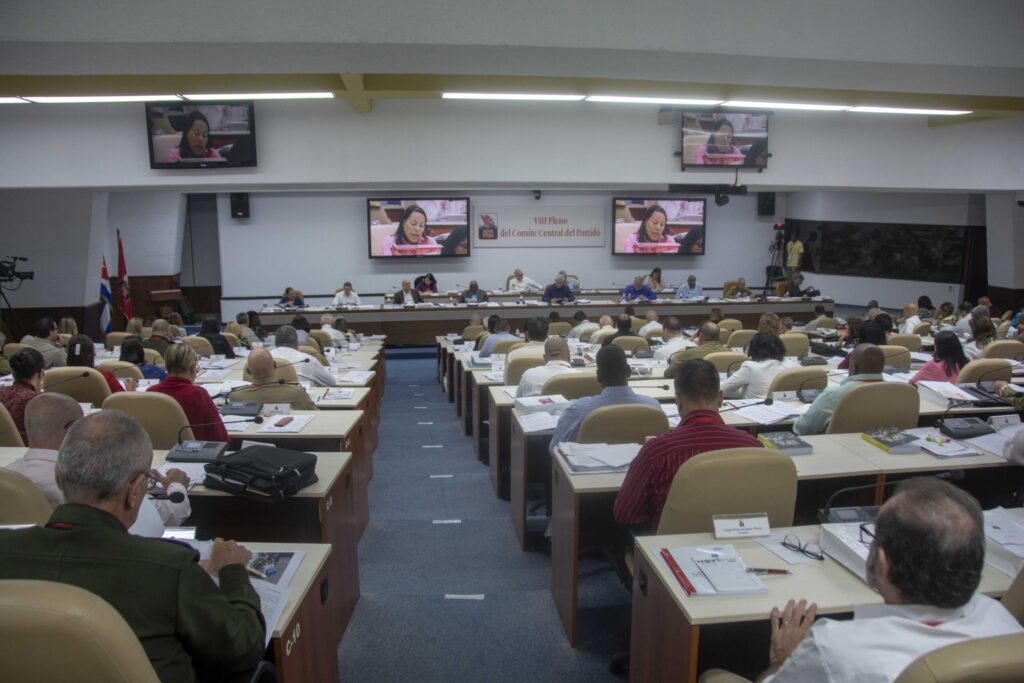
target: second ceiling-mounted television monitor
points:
(713, 138)
(418, 226)
(662, 225)
(185, 135)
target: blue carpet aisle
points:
(404, 628)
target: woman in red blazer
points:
(182, 367)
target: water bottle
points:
(521, 298)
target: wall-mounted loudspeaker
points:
(765, 203)
(239, 204)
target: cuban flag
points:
(106, 304)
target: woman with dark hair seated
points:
(946, 362)
(210, 331)
(302, 330)
(133, 352)
(425, 283)
(82, 354)
(751, 380)
(925, 307)
(27, 367)
(869, 332)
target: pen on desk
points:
(765, 570)
(255, 572)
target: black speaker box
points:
(239, 204)
(765, 203)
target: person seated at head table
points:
(638, 290)
(190, 627)
(291, 298)
(195, 141)
(557, 361)
(203, 417)
(346, 297)
(613, 373)
(653, 230)
(473, 294)
(673, 340)
(691, 289)
(412, 231)
(927, 523)
(46, 340)
(645, 489)
(796, 288)
(247, 333)
(623, 328)
(210, 331)
(707, 343)
(27, 368)
(571, 281)
(266, 389)
(580, 325)
(159, 337)
(946, 362)
(522, 283)
(719, 150)
(766, 353)
(457, 242)
(652, 325)
(502, 332)
(738, 289)
(425, 283)
(407, 295)
(911, 319)
(82, 354)
(302, 330)
(307, 368)
(866, 363)
(653, 280)
(559, 292)
(133, 352)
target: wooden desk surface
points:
(358, 396)
(326, 424)
(315, 558)
(328, 468)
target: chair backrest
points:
(517, 366)
(726, 361)
(21, 501)
(923, 329)
(636, 323)
(730, 481)
(153, 357)
(1013, 599)
(572, 385)
(597, 336)
(896, 355)
(322, 338)
(1006, 314)
(58, 632)
(795, 379)
(999, 659)
(121, 369)
(796, 343)
(828, 323)
(201, 346)
(1003, 328)
(161, 416)
(115, 338)
(653, 333)
(473, 331)
(560, 328)
(1003, 348)
(315, 352)
(508, 280)
(989, 369)
(502, 347)
(481, 339)
(12, 348)
(624, 423)
(9, 435)
(632, 344)
(730, 324)
(879, 404)
(780, 288)
(727, 284)
(911, 342)
(91, 388)
(282, 370)
(586, 335)
(740, 338)
(515, 345)
(235, 342)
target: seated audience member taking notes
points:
(556, 362)
(82, 354)
(653, 280)
(210, 331)
(929, 524)
(46, 340)
(946, 363)
(652, 326)
(425, 283)
(925, 307)
(559, 292)
(613, 374)
(580, 325)
(738, 289)
(796, 288)
(652, 235)
(869, 332)
(911, 319)
(638, 290)
(182, 367)
(190, 627)
(412, 237)
(691, 289)
(327, 325)
(291, 297)
(133, 352)
(27, 369)
(248, 334)
(536, 335)
(231, 327)
(946, 314)
(866, 363)
(819, 315)
(502, 332)
(473, 295)
(962, 325)
(522, 283)
(346, 296)
(266, 389)
(753, 377)
(701, 429)
(623, 328)
(673, 339)
(159, 337)
(407, 295)
(306, 367)
(707, 343)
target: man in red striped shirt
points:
(700, 429)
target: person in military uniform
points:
(266, 389)
(159, 337)
(190, 628)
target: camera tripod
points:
(775, 250)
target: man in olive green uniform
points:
(707, 342)
(189, 627)
(160, 337)
(266, 389)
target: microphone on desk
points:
(174, 496)
(258, 419)
(295, 362)
(809, 397)
(767, 401)
(990, 372)
(49, 385)
(867, 513)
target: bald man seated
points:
(266, 389)
(866, 363)
(556, 362)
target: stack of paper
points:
(196, 471)
(671, 411)
(356, 377)
(338, 394)
(712, 570)
(944, 392)
(939, 445)
(554, 403)
(1004, 536)
(213, 374)
(777, 412)
(842, 543)
(996, 443)
(598, 457)
(538, 422)
(236, 423)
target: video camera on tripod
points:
(9, 270)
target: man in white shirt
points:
(910, 319)
(327, 325)
(819, 315)
(652, 325)
(346, 297)
(306, 366)
(536, 335)
(556, 357)
(521, 283)
(581, 325)
(691, 289)
(674, 340)
(928, 524)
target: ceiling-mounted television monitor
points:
(186, 135)
(712, 138)
(659, 225)
(418, 226)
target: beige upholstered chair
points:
(1003, 348)
(9, 435)
(740, 338)
(282, 370)
(508, 281)
(597, 336)
(1002, 330)
(21, 501)
(161, 416)
(879, 404)
(85, 385)
(730, 481)
(828, 323)
(911, 342)
(472, 331)
(1007, 314)
(632, 344)
(656, 333)
(201, 346)
(780, 288)
(315, 352)
(727, 284)
(982, 660)
(726, 361)
(115, 338)
(147, 332)
(518, 366)
(153, 357)
(796, 343)
(516, 345)
(923, 329)
(321, 337)
(896, 355)
(795, 379)
(572, 385)
(1013, 600)
(987, 369)
(636, 323)
(53, 632)
(481, 340)
(235, 342)
(624, 423)
(13, 348)
(121, 369)
(730, 324)
(502, 347)
(586, 337)
(559, 328)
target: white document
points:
(213, 374)
(272, 601)
(356, 377)
(690, 559)
(899, 377)
(235, 423)
(338, 394)
(510, 391)
(496, 375)
(944, 392)
(600, 455)
(196, 471)
(766, 415)
(538, 422)
(947, 449)
(294, 427)
(995, 443)
(774, 544)
(920, 356)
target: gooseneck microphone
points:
(825, 512)
(50, 385)
(258, 419)
(767, 401)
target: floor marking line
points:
(458, 596)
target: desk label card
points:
(741, 526)
(276, 409)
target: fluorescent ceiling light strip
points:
(807, 106)
(652, 100)
(510, 96)
(900, 110)
(100, 98)
(261, 96)
(13, 100)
